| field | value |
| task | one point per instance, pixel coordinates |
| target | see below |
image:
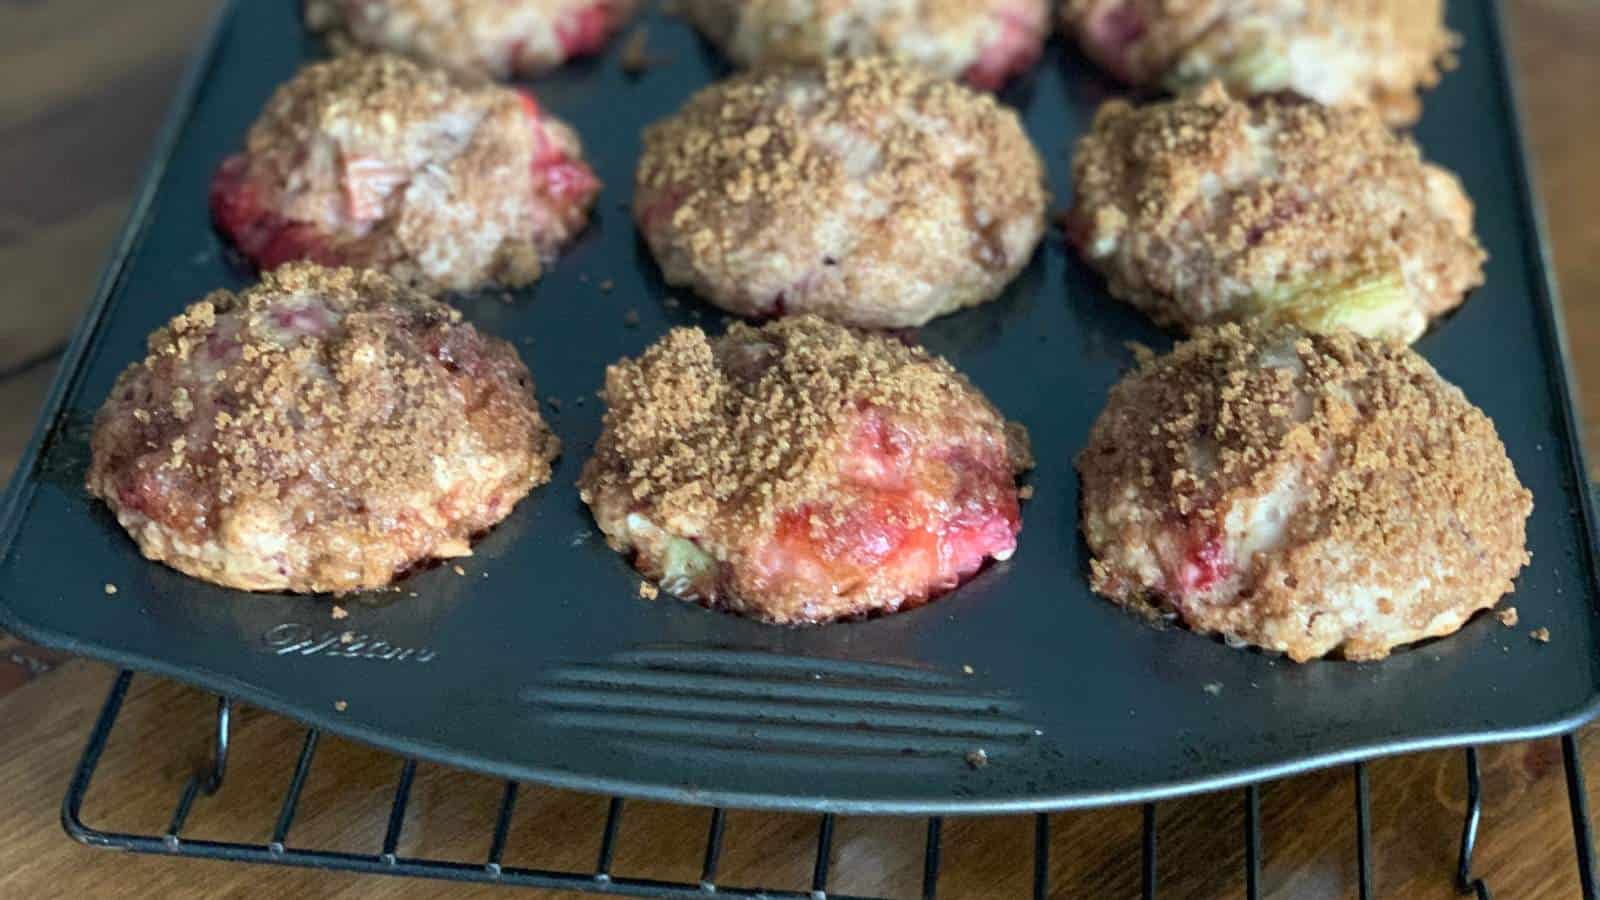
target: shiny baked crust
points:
(802, 472)
(1305, 493)
(320, 431)
(1205, 209)
(866, 191)
(372, 160)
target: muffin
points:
(1378, 53)
(1207, 209)
(374, 161)
(497, 38)
(802, 472)
(866, 191)
(984, 42)
(321, 431)
(1304, 493)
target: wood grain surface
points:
(83, 86)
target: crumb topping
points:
(862, 183)
(335, 398)
(755, 421)
(1199, 204)
(803, 471)
(1397, 479)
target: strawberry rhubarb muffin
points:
(498, 38)
(802, 472)
(321, 431)
(374, 161)
(1338, 52)
(984, 42)
(864, 190)
(1301, 492)
(1207, 209)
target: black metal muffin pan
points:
(543, 663)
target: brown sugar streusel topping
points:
(1401, 481)
(331, 411)
(775, 167)
(1200, 207)
(760, 429)
(814, 185)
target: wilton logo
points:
(296, 639)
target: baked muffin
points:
(1304, 493)
(1207, 209)
(866, 191)
(802, 472)
(984, 42)
(323, 430)
(1371, 52)
(374, 161)
(498, 38)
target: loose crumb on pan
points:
(1542, 635)
(340, 612)
(110, 588)
(458, 570)
(631, 318)
(977, 758)
(348, 637)
(1507, 616)
(340, 705)
(1214, 688)
(648, 591)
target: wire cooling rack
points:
(600, 880)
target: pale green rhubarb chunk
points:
(1371, 305)
(684, 567)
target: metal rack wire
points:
(388, 861)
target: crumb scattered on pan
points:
(1214, 688)
(977, 759)
(1025, 492)
(554, 401)
(348, 637)
(459, 570)
(340, 705)
(648, 591)
(635, 57)
(607, 286)
(1542, 635)
(110, 589)
(631, 318)
(967, 670)
(1507, 616)
(340, 612)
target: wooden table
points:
(83, 85)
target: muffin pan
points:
(539, 659)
